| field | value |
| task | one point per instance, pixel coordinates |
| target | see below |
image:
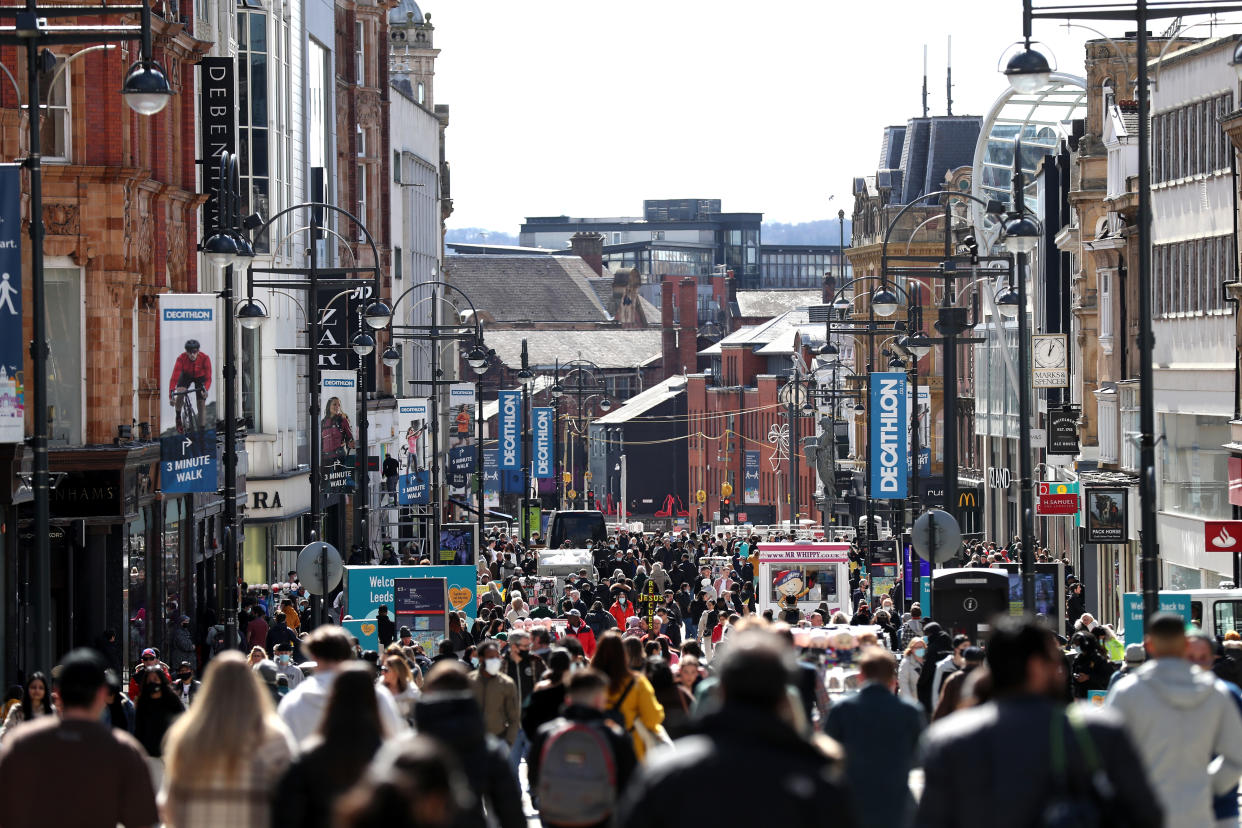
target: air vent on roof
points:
(818, 313)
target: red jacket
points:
(622, 613)
(185, 372)
(585, 637)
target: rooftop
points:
(528, 288)
(766, 304)
(643, 402)
(610, 349)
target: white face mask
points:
(491, 665)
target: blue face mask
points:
(920, 652)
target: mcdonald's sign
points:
(967, 500)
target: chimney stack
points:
(590, 248)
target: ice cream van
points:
(813, 572)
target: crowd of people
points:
(627, 696)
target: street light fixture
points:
(251, 315)
(146, 88)
(1028, 70)
(1236, 62)
(884, 301)
(1021, 233)
(390, 357)
(220, 249)
(363, 344)
(605, 404)
(378, 315)
(919, 344)
(476, 357)
(828, 349)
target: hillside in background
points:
(825, 231)
(477, 235)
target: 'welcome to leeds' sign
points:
(889, 423)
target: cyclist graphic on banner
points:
(188, 451)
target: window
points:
(1227, 617)
(1194, 477)
(56, 136)
(66, 382)
(1188, 141)
(360, 182)
(253, 116)
(361, 146)
(396, 263)
(251, 377)
(422, 93)
(317, 104)
(360, 53)
(396, 166)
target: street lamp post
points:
(377, 315)
(147, 91)
(576, 368)
(1029, 70)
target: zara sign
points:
(890, 421)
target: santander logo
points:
(1222, 536)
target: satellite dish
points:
(317, 560)
(936, 536)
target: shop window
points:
(66, 382)
(251, 377)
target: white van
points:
(1215, 611)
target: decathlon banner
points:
(12, 410)
(541, 420)
(338, 392)
(509, 430)
(188, 404)
(890, 420)
(413, 422)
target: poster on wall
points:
(12, 395)
(338, 393)
(188, 404)
(1106, 516)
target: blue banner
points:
(890, 420)
(491, 474)
(188, 412)
(750, 477)
(414, 489)
(509, 430)
(12, 396)
(541, 420)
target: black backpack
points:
(577, 775)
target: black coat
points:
(975, 778)
(387, 629)
(457, 721)
(754, 751)
(880, 734)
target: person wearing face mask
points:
(911, 666)
(496, 694)
(947, 666)
(284, 665)
(186, 685)
(181, 643)
(622, 609)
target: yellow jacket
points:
(640, 703)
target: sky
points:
(586, 107)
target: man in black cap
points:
(106, 766)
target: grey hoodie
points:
(1179, 717)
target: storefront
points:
(276, 512)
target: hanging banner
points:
(1055, 498)
(509, 429)
(750, 477)
(414, 489)
(491, 479)
(188, 408)
(413, 419)
(338, 391)
(461, 401)
(339, 321)
(12, 394)
(461, 460)
(217, 119)
(890, 422)
(541, 419)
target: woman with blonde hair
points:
(224, 757)
(256, 655)
(911, 667)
